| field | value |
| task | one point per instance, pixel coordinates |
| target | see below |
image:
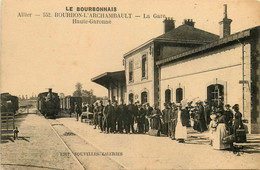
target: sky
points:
(48, 52)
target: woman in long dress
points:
(212, 127)
(238, 124)
(220, 133)
(181, 130)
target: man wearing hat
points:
(165, 119)
(95, 115)
(77, 110)
(108, 111)
(122, 117)
(207, 112)
(130, 116)
(100, 115)
(114, 117)
(201, 118)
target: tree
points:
(86, 95)
(78, 92)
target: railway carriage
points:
(70, 103)
(9, 106)
(9, 103)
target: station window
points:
(131, 98)
(144, 66)
(167, 96)
(144, 97)
(179, 95)
(215, 94)
(131, 71)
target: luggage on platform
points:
(228, 139)
(240, 136)
(154, 132)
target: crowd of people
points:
(172, 121)
(114, 118)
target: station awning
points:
(113, 78)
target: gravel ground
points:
(148, 152)
(83, 150)
(37, 147)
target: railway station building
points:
(189, 63)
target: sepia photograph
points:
(144, 84)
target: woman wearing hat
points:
(238, 124)
(221, 132)
(212, 127)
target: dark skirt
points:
(156, 123)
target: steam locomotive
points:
(48, 103)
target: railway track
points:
(79, 149)
(68, 148)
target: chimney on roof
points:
(189, 22)
(225, 24)
(169, 24)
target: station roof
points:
(108, 78)
(184, 34)
(209, 46)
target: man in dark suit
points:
(165, 119)
(77, 111)
(95, 115)
(123, 122)
(131, 110)
(140, 118)
(201, 117)
(121, 119)
(108, 112)
(100, 115)
(114, 117)
(207, 112)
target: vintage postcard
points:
(144, 84)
